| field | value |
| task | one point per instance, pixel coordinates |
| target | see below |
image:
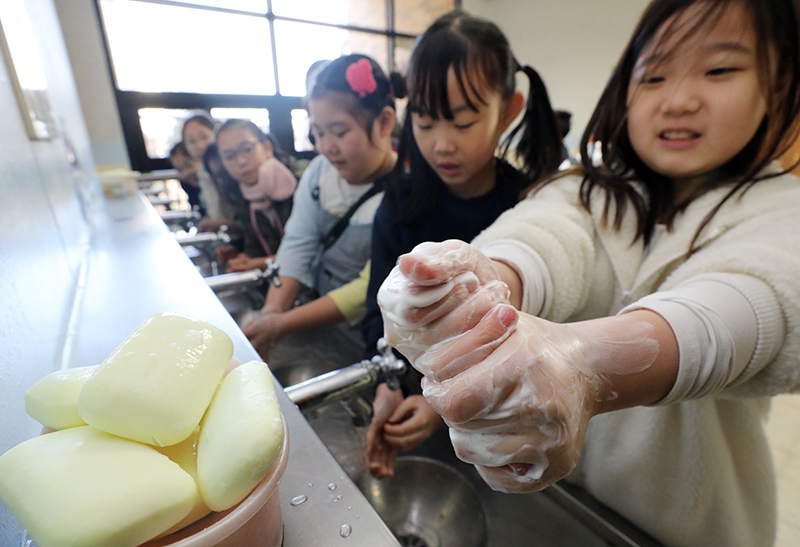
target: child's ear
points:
(513, 107)
(386, 120)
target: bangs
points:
(685, 24)
(429, 71)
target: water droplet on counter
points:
(311, 485)
(332, 486)
(345, 530)
(349, 508)
(298, 500)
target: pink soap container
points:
(255, 522)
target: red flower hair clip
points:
(359, 76)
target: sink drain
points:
(411, 540)
(409, 535)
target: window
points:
(301, 130)
(298, 52)
(161, 128)
(172, 58)
(192, 50)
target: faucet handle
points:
(389, 365)
(223, 235)
(272, 273)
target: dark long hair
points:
(203, 120)
(626, 180)
(473, 48)
(336, 76)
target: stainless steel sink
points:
(557, 517)
(413, 505)
(427, 504)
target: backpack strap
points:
(341, 224)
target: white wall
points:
(41, 230)
(574, 44)
(81, 29)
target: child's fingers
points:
(441, 332)
(435, 263)
(463, 352)
(422, 316)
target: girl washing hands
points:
(462, 99)
(327, 237)
(658, 295)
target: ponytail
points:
(539, 146)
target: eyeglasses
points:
(245, 150)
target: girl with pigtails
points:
(454, 179)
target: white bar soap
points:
(241, 436)
(185, 454)
(81, 487)
(53, 400)
(155, 386)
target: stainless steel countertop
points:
(136, 269)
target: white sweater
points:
(689, 472)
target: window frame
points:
(279, 106)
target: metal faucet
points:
(252, 278)
(184, 218)
(205, 238)
(348, 381)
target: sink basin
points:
(303, 355)
(427, 504)
(415, 507)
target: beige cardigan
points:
(693, 472)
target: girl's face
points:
(694, 109)
(187, 168)
(242, 154)
(342, 139)
(197, 138)
(461, 150)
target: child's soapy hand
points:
(380, 455)
(517, 391)
(412, 422)
(398, 424)
(437, 291)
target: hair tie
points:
(359, 77)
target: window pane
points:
(253, 6)
(298, 45)
(301, 126)
(259, 116)
(160, 48)
(414, 16)
(359, 13)
(402, 53)
(161, 128)
(323, 11)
